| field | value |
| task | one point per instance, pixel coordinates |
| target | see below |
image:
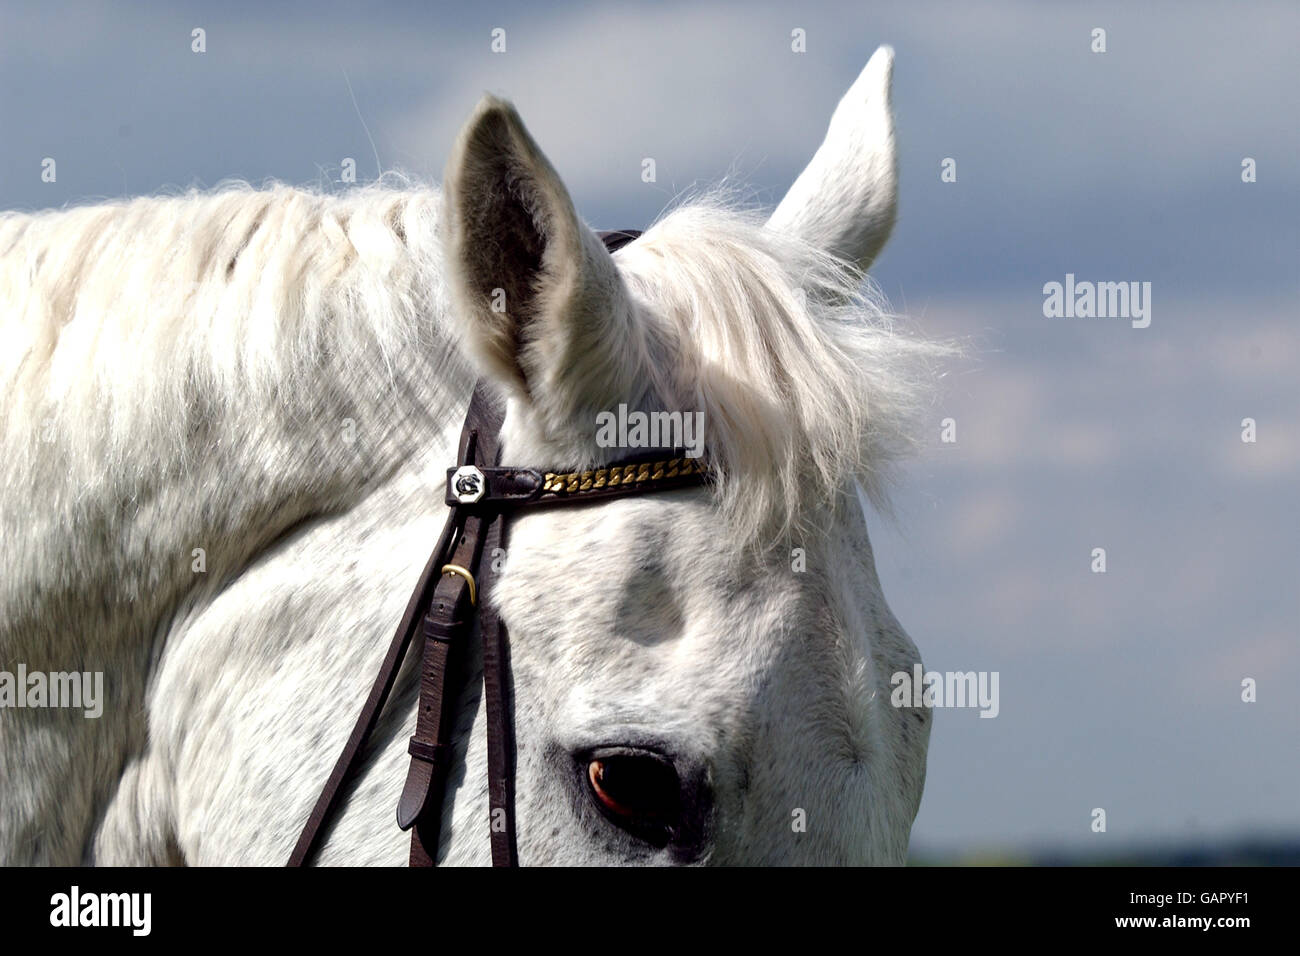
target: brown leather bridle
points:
(453, 589)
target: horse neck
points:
(97, 565)
(168, 414)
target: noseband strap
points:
(454, 589)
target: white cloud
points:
(602, 89)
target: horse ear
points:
(541, 303)
(846, 200)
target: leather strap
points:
(500, 718)
(616, 239)
(328, 801)
(447, 628)
(450, 616)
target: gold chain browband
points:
(621, 475)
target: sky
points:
(1119, 690)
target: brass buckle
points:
(457, 570)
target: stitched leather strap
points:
(445, 628)
(448, 626)
(499, 701)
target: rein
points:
(454, 588)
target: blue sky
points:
(1119, 690)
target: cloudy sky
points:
(1119, 690)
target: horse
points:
(228, 417)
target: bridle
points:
(453, 589)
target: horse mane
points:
(806, 380)
(124, 320)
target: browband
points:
(513, 488)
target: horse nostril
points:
(637, 790)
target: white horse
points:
(227, 419)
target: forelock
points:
(806, 381)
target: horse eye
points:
(639, 792)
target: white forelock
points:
(805, 379)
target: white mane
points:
(805, 380)
(120, 317)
